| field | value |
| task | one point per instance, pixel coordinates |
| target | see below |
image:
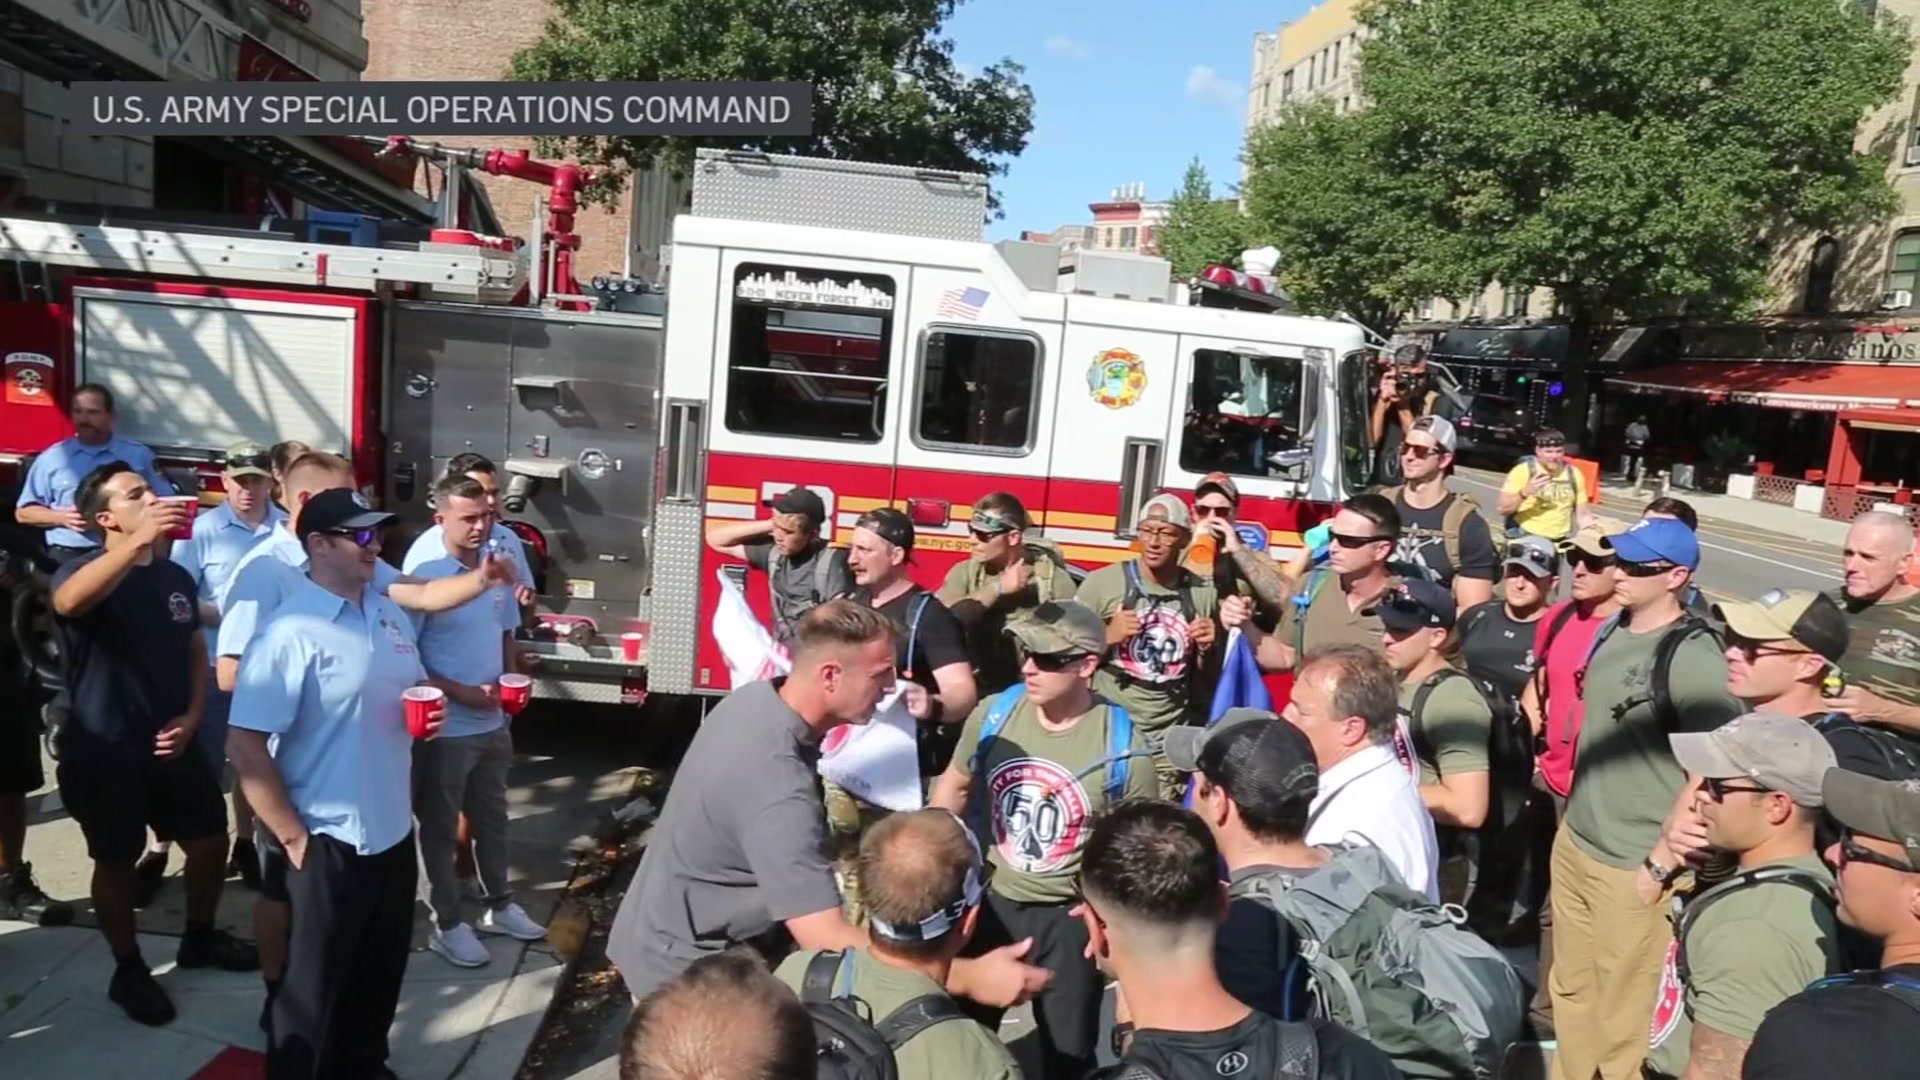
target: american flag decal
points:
(964, 303)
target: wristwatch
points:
(1660, 874)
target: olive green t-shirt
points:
(1042, 789)
(1624, 776)
(958, 1047)
(1450, 735)
(1747, 952)
(1883, 647)
(1151, 673)
(1329, 619)
(996, 659)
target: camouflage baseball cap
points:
(1060, 627)
(1883, 809)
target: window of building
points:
(1904, 271)
(809, 354)
(1286, 86)
(1127, 238)
(1518, 299)
(1335, 72)
(978, 391)
(1423, 310)
(1820, 268)
(1241, 409)
(1313, 72)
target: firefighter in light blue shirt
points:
(46, 498)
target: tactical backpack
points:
(1660, 680)
(1895, 754)
(1509, 740)
(1451, 522)
(1117, 761)
(1688, 912)
(1395, 968)
(1299, 1059)
(1579, 482)
(1904, 988)
(852, 1045)
(776, 562)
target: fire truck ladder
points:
(462, 273)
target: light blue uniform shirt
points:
(464, 644)
(219, 541)
(54, 479)
(432, 544)
(272, 570)
(325, 679)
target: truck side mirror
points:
(1311, 382)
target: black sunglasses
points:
(1348, 540)
(363, 537)
(1645, 569)
(1718, 790)
(1851, 851)
(985, 537)
(1756, 649)
(1055, 661)
(1592, 562)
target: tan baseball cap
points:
(1781, 753)
(1592, 540)
(1799, 615)
(1060, 627)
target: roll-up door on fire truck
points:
(204, 371)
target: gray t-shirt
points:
(741, 845)
(801, 583)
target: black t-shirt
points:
(129, 659)
(936, 642)
(1254, 948)
(1498, 647)
(1838, 1031)
(1422, 540)
(1251, 1049)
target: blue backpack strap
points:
(1119, 745)
(913, 629)
(1302, 600)
(999, 707)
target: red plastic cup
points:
(515, 692)
(425, 704)
(191, 504)
(630, 645)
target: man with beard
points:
(1441, 530)
(1011, 571)
(1160, 621)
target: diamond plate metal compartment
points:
(789, 190)
(674, 636)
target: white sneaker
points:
(458, 946)
(512, 921)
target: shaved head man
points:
(724, 1018)
(1883, 612)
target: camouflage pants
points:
(848, 819)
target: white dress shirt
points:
(1371, 799)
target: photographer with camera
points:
(1406, 393)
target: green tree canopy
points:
(1200, 229)
(1634, 155)
(885, 85)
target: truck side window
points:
(1241, 409)
(978, 391)
(1356, 402)
(810, 353)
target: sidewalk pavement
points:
(1618, 501)
(474, 1023)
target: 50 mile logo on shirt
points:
(180, 608)
(1039, 814)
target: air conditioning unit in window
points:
(1895, 299)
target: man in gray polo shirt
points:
(740, 853)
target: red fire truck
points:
(835, 325)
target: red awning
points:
(1818, 387)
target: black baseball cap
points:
(1416, 605)
(338, 510)
(891, 525)
(1258, 758)
(802, 501)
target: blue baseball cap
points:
(1651, 540)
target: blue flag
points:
(1240, 687)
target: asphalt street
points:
(1738, 560)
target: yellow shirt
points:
(1550, 513)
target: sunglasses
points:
(1595, 563)
(1645, 569)
(1851, 851)
(1718, 790)
(1055, 662)
(1207, 510)
(1756, 649)
(1348, 540)
(362, 537)
(984, 537)
(1419, 453)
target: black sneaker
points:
(21, 899)
(217, 948)
(136, 992)
(246, 863)
(148, 874)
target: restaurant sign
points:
(1866, 344)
